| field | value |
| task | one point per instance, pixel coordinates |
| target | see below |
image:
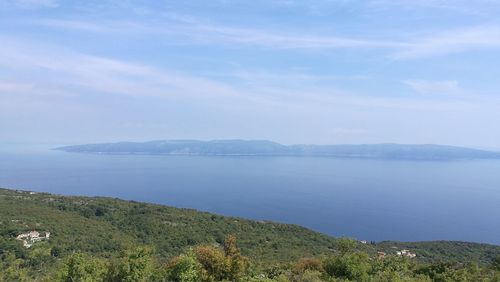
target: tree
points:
(133, 265)
(217, 265)
(310, 276)
(237, 263)
(39, 258)
(81, 267)
(230, 248)
(345, 245)
(214, 263)
(395, 264)
(184, 268)
(11, 268)
(496, 263)
(307, 264)
(353, 266)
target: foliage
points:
(345, 245)
(496, 263)
(104, 226)
(217, 265)
(305, 264)
(211, 263)
(435, 251)
(133, 265)
(102, 239)
(12, 269)
(184, 268)
(352, 266)
(81, 267)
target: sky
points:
(323, 72)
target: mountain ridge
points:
(239, 147)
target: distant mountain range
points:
(268, 148)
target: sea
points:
(373, 200)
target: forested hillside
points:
(101, 235)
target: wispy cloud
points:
(454, 41)
(120, 27)
(194, 31)
(443, 87)
(260, 69)
(209, 33)
(282, 40)
(57, 71)
(68, 69)
(44, 71)
(31, 4)
(463, 7)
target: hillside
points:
(268, 148)
(103, 230)
(104, 225)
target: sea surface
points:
(365, 199)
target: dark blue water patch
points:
(365, 199)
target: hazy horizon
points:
(294, 72)
(43, 147)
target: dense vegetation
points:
(114, 240)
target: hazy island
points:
(268, 148)
(46, 237)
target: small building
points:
(406, 253)
(34, 234)
(32, 237)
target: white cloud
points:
(271, 39)
(443, 87)
(52, 67)
(463, 7)
(200, 32)
(194, 31)
(39, 71)
(57, 71)
(31, 4)
(455, 41)
(115, 27)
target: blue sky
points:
(325, 71)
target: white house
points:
(31, 237)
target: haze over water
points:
(366, 199)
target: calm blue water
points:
(369, 200)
